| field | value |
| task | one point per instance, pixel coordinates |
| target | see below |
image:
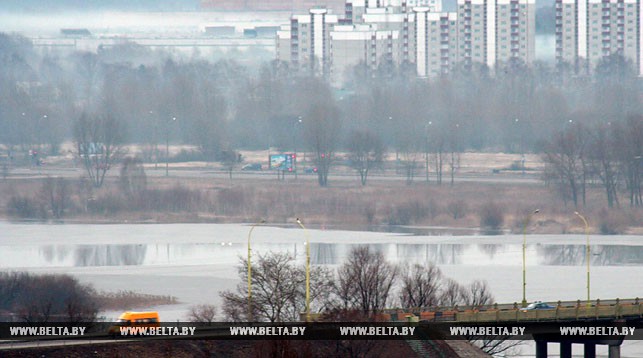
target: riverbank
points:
(489, 195)
(382, 205)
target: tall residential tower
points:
(588, 31)
(414, 34)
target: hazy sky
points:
(150, 5)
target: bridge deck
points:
(562, 311)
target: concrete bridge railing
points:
(562, 311)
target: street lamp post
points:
(397, 154)
(307, 269)
(250, 271)
(155, 140)
(426, 150)
(40, 132)
(167, 147)
(587, 252)
(297, 125)
(524, 256)
(521, 148)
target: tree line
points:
(608, 155)
(359, 290)
(41, 298)
(129, 94)
(365, 284)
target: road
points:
(342, 174)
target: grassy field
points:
(485, 202)
(499, 206)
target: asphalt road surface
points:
(341, 174)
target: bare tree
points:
(478, 295)
(274, 283)
(452, 293)
(438, 147)
(420, 286)
(322, 130)
(204, 313)
(55, 194)
(409, 158)
(98, 141)
(278, 290)
(602, 154)
(565, 159)
(365, 280)
(133, 180)
(629, 139)
(366, 152)
(455, 148)
(230, 159)
(475, 296)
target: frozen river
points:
(194, 262)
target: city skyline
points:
(480, 34)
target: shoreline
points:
(409, 230)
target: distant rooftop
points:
(75, 32)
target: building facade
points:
(515, 30)
(588, 31)
(435, 42)
(494, 32)
(402, 33)
(361, 45)
(309, 40)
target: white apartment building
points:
(493, 32)
(515, 30)
(387, 19)
(435, 42)
(376, 32)
(283, 44)
(590, 30)
(353, 45)
(309, 38)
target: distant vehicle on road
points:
(311, 170)
(252, 166)
(135, 319)
(538, 306)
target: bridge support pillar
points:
(614, 351)
(541, 349)
(589, 350)
(565, 349)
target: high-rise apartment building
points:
(477, 22)
(435, 41)
(352, 45)
(515, 30)
(309, 40)
(494, 32)
(392, 32)
(588, 31)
